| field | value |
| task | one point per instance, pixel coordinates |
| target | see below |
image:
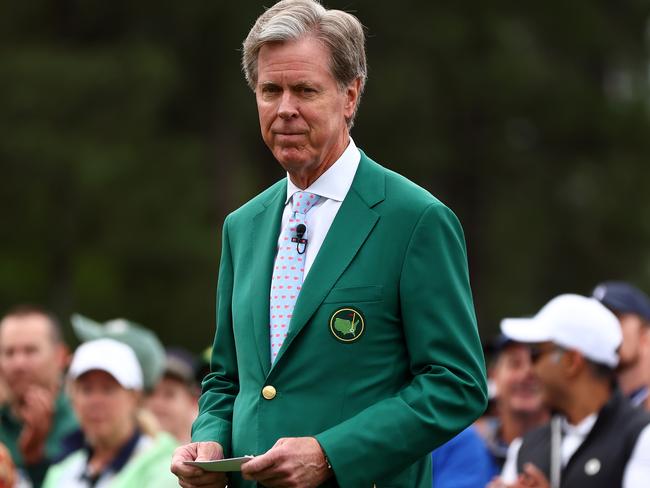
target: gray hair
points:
(290, 20)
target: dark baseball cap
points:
(181, 365)
(621, 297)
(500, 342)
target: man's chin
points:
(625, 365)
(293, 160)
(527, 403)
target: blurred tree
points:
(127, 133)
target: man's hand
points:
(532, 477)
(295, 462)
(37, 412)
(191, 476)
(496, 482)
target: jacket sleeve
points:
(221, 385)
(448, 388)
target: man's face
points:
(29, 355)
(548, 368)
(632, 328)
(106, 411)
(518, 389)
(302, 109)
(174, 405)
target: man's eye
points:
(270, 89)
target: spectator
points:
(597, 439)
(632, 308)
(144, 342)
(146, 345)
(106, 382)
(175, 399)
(38, 414)
(463, 462)
(519, 405)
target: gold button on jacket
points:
(269, 392)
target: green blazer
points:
(382, 362)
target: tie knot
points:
(302, 201)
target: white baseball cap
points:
(571, 322)
(111, 356)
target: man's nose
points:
(288, 106)
(20, 360)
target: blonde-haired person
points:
(116, 452)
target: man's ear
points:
(644, 337)
(62, 356)
(352, 92)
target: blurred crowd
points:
(569, 401)
(110, 413)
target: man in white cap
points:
(106, 383)
(597, 439)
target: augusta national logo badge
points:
(347, 324)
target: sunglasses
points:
(537, 351)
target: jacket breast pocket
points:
(355, 294)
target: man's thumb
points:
(208, 451)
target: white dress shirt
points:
(332, 187)
(637, 470)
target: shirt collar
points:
(120, 460)
(582, 429)
(637, 397)
(336, 181)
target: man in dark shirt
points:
(596, 439)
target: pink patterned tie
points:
(288, 270)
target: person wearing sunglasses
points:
(517, 397)
(596, 438)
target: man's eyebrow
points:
(305, 84)
(293, 86)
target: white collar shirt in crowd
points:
(639, 397)
(332, 187)
(637, 470)
(74, 468)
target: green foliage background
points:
(127, 133)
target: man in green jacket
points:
(346, 347)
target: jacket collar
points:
(350, 228)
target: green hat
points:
(148, 348)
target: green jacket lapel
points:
(264, 235)
(354, 221)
